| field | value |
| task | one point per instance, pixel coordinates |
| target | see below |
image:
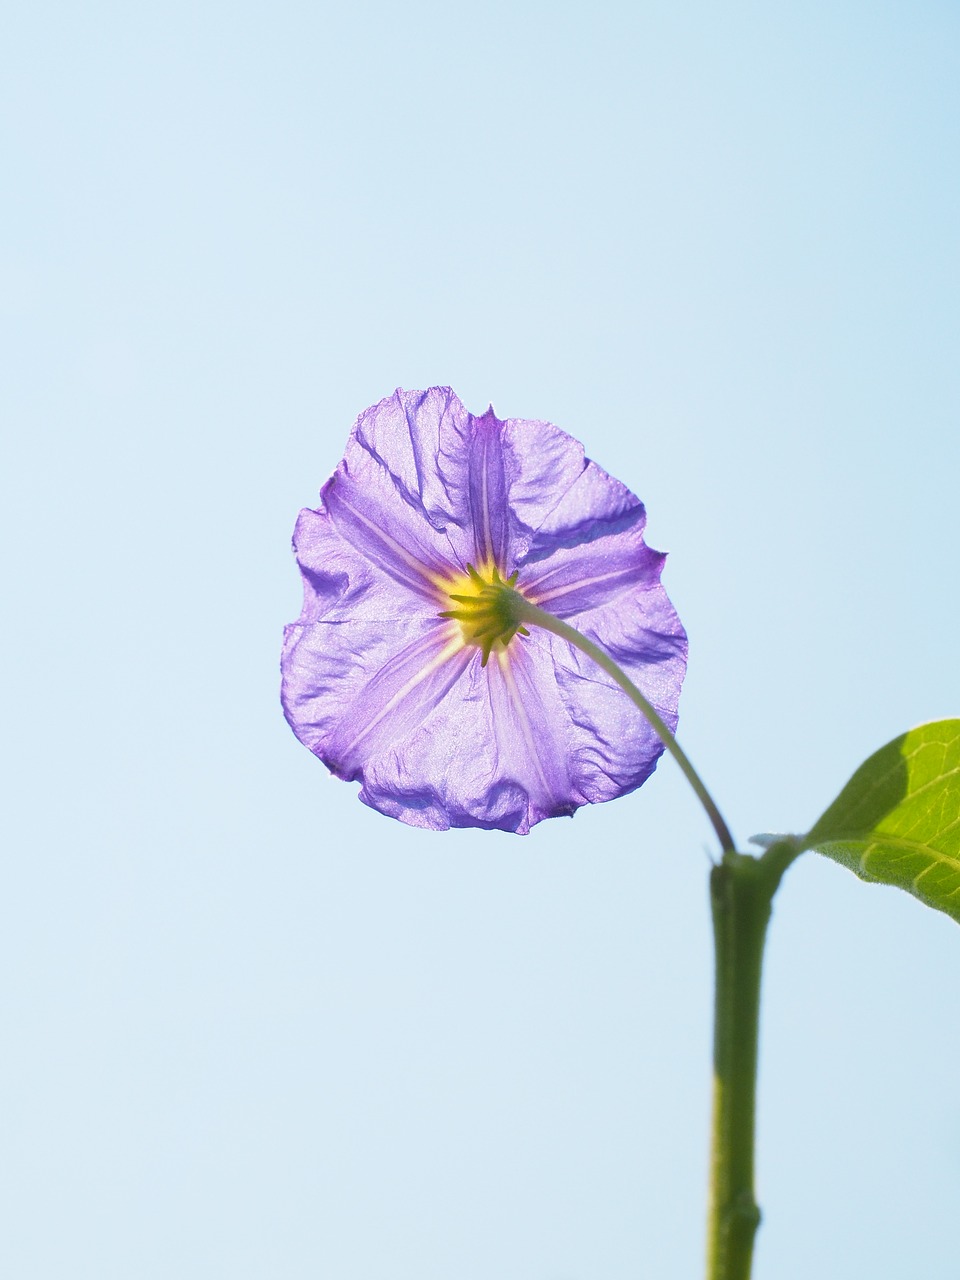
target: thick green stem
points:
(741, 892)
(523, 611)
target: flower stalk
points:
(521, 610)
(741, 893)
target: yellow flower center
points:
(485, 606)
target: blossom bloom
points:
(429, 504)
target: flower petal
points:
(493, 754)
(421, 489)
(557, 497)
(489, 512)
(533, 735)
(353, 690)
(576, 579)
(396, 701)
(342, 585)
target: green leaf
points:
(897, 821)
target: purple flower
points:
(442, 728)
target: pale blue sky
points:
(253, 1029)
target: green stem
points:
(741, 893)
(523, 611)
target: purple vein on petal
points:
(595, 580)
(426, 579)
(485, 506)
(488, 490)
(397, 712)
(522, 719)
(595, 574)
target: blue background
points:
(253, 1029)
